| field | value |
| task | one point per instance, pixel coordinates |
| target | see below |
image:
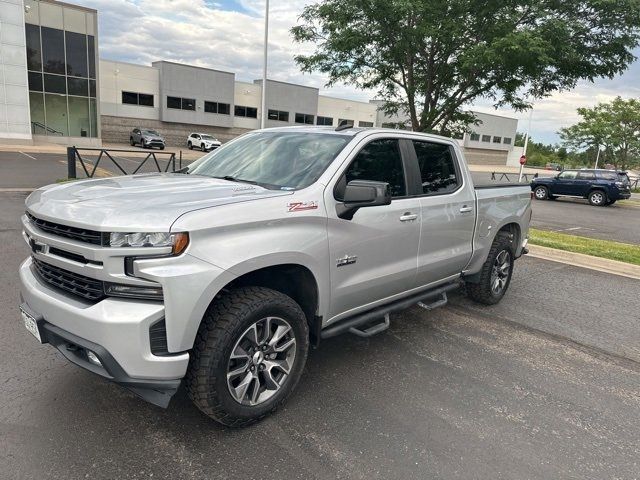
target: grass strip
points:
(622, 252)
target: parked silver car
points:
(223, 275)
(146, 138)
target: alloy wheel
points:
(500, 272)
(597, 198)
(541, 193)
(261, 360)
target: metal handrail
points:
(505, 176)
(74, 156)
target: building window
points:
(497, 139)
(76, 48)
(486, 138)
(474, 137)
(249, 112)
(133, 98)
(304, 118)
(217, 107)
(345, 121)
(365, 124)
(62, 85)
(506, 141)
(279, 115)
(181, 103)
(324, 121)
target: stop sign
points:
(523, 159)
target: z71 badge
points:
(301, 206)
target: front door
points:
(565, 183)
(374, 255)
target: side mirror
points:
(362, 193)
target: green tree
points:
(615, 126)
(430, 58)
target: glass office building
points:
(62, 57)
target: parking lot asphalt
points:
(543, 385)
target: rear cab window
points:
(439, 173)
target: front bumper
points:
(120, 327)
(74, 349)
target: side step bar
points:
(423, 298)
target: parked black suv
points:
(600, 187)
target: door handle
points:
(466, 209)
(408, 216)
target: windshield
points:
(274, 160)
(207, 137)
(150, 132)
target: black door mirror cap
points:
(363, 193)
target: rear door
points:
(584, 181)
(447, 210)
(374, 255)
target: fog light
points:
(93, 358)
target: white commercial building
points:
(54, 88)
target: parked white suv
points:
(202, 141)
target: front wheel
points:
(496, 272)
(248, 355)
(597, 198)
(190, 146)
(131, 142)
(541, 193)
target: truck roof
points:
(353, 131)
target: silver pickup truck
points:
(221, 275)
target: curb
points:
(613, 267)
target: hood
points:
(150, 202)
(148, 136)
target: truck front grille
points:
(78, 285)
(80, 234)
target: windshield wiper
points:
(239, 180)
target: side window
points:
(568, 175)
(586, 176)
(437, 168)
(380, 161)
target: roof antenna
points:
(344, 125)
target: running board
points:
(441, 302)
(372, 330)
(432, 298)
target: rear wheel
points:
(597, 198)
(496, 272)
(541, 193)
(248, 355)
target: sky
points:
(228, 35)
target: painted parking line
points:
(27, 155)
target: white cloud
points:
(228, 35)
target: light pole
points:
(526, 144)
(263, 102)
(597, 158)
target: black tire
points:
(541, 192)
(143, 144)
(131, 142)
(202, 147)
(597, 198)
(190, 145)
(227, 319)
(482, 291)
(161, 147)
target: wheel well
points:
(293, 280)
(513, 229)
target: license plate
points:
(31, 324)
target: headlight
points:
(619, 184)
(178, 241)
